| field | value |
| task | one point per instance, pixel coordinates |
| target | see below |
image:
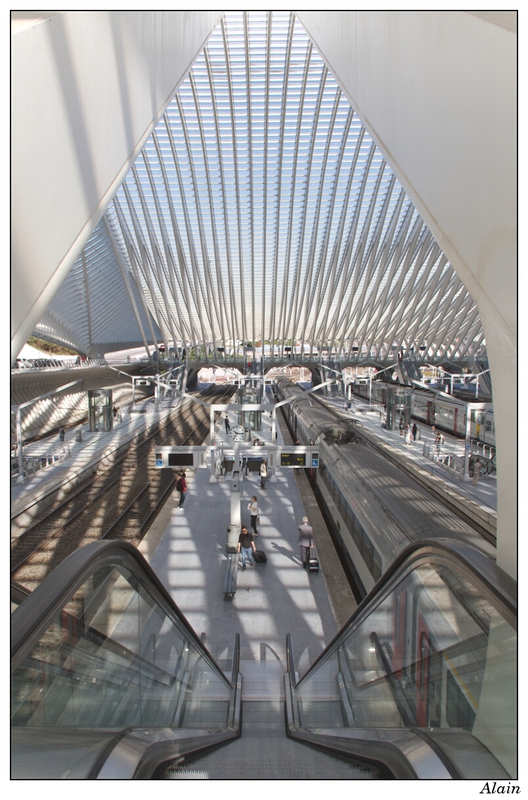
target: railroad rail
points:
(109, 505)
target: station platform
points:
(484, 494)
(82, 456)
(187, 550)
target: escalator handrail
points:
(497, 585)
(18, 592)
(36, 613)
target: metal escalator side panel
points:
(142, 753)
(100, 645)
(432, 648)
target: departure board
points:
(293, 460)
(181, 460)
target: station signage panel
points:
(180, 457)
(293, 459)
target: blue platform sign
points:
(159, 462)
(315, 462)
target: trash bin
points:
(78, 436)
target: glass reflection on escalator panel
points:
(434, 654)
(112, 659)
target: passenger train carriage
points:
(376, 509)
(445, 412)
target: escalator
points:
(110, 681)
(421, 682)
(482, 367)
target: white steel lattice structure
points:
(260, 210)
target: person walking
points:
(476, 472)
(401, 427)
(263, 474)
(181, 486)
(62, 434)
(254, 511)
(227, 425)
(305, 541)
(246, 546)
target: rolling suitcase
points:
(313, 565)
(260, 557)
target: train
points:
(445, 412)
(374, 508)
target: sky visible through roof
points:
(260, 209)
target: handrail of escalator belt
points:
(235, 668)
(18, 592)
(497, 584)
(34, 615)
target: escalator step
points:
(269, 758)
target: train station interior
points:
(270, 259)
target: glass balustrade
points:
(111, 659)
(434, 655)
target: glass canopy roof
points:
(261, 210)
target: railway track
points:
(120, 503)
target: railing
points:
(450, 461)
(38, 364)
(486, 451)
(33, 464)
(454, 462)
(108, 678)
(422, 679)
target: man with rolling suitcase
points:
(306, 544)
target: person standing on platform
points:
(408, 435)
(305, 541)
(62, 434)
(246, 546)
(254, 511)
(181, 486)
(227, 425)
(414, 430)
(476, 472)
(263, 475)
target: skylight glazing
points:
(260, 209)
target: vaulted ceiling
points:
(260, 209)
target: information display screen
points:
(181, 460)
(293, 460)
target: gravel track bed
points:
(88, 515)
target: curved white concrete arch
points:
(438, 93)
(87, 89)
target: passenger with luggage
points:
(246, 546)
(306, 544)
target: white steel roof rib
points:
(261, 210)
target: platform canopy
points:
(261, 211)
